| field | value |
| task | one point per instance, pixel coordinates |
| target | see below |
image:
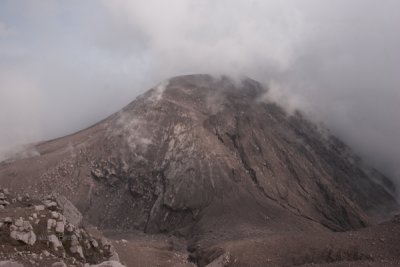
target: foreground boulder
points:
(37, 233)
(22, 230)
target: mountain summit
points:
(210, 160)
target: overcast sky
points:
(66, 64)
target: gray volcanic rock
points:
(70, 212)
(10, 264)
(202, 146)
(207, 159)
(21, 230)
(35, 238)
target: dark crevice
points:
(242, 156)
(162, 217)
(253, 175)
(219, 135)
(158, 199)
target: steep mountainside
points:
(209, 160)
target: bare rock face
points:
(70, 212)
(207, 159)
(175, 158)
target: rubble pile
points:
(41, 233)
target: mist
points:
(64, 65)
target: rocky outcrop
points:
(22, 230)
(37, 233)
(4, 198)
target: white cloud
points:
(208, 36)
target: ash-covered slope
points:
(206, 158)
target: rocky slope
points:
(209, 160)
(41, 233)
